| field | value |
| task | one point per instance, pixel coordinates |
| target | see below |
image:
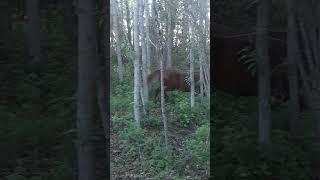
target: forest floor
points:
(143, 156)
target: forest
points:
(265, 64)
(159, 89)
(159, 53)
(104, 90)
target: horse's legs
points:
(157, 93)
(166, 95)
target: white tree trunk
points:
(169, 36)
(137, 75)
(147, 8)
(117, 38)
(191, 65)
(144, 57)
(33, 27)
(164, 117)
(128, 22)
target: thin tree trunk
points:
(102, 83)
(191, 65)
(117, 38)
(263, 71)
(5, 23)
(137, 75)
(69, 19)
(128, 22)
(169, 36)
(148, 36)
(201, 83)
(86, 89)
(160, 55)
(33, 27)
(163, 112)
(144, 58)
(292, 70)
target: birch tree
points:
(147, 13)
(128, 21)
(86, 89)
(191, 41)
(169, 35)
(33, 30)
(144, 89)
(160, 55)
(117, 38)
(263, 66)
(137, 74)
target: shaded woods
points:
(54, 104)
(266, 74)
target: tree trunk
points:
(102, 83)
(147, 5)
(163, 112)
(86, 89)
(144, 58)
(201, 83)
(128, 22)
(137, 75)
(70, 20)
(292, 70)
(169, 36)
(5, 23)
(308, 21)
(33, 27)
(191, 65)
(263, 66)
(117, 38)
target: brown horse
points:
(174, 79)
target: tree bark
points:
(292, 44)
(137, 75)
(191, 65)
(103, 84)
(169, 36)
(144, 58)
(87, 69)
(128, 22)
(5, 23)
(147, 8)
(70, 20)
(117, 38)
(33, 27)
(263, 66)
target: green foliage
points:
(144, 147)
(236, 152)
(37, 107)
(248, 57)
(200, 139)
(15, 177)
